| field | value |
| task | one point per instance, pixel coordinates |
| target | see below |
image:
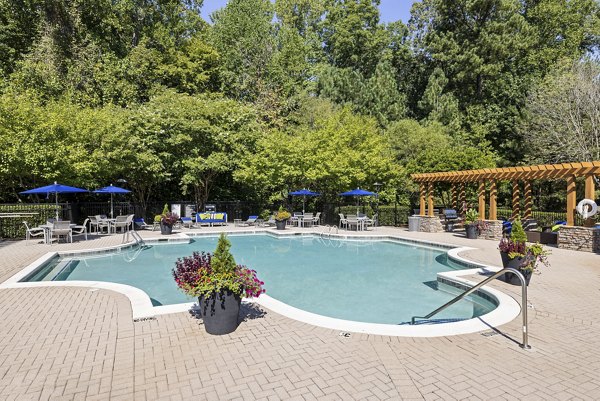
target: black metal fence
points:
(12, 216)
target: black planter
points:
(512, 278)
(220, 312)
(505, 259)
(166, 229)
(471, 231)
(280, 224)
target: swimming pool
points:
(366, 281)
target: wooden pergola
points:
(567, 171)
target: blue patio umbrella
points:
(111, 189)
(358, 193)
(304, 193)
(56, 189)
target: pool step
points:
(64, 266)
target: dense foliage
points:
(273, 96)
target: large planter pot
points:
(166, 229)
(220, 312)
(514, 280)
(280, 224)
(471, 231)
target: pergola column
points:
(421, 199)
(528, 201)
(462, 197)
(481, 198)
(430, 199)
(571, 200)
(493, 200)
(454, 197)
(516, 200)
(590, 193)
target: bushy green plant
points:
(265, 215)
(471, 216)
(204, 275)
(518, 233)
(282, 214)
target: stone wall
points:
(579, 239)
(430, 224)
(493, 230)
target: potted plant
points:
(219, 283)
(518, 255)
(167, 220)
(471, 227)
(281, 217)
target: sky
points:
(391, 10)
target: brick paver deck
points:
(79, 343)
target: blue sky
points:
(391, 10)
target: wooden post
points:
(463, 199)
(493, 198)
(571, 200)
(481, 199)
(528, 201)
(516, 200)
(590, 193)
(430, 200)
(454, 197)
(421, 199)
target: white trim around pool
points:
(507, 309)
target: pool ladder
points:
(471, 290)
(134, 234)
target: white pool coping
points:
(141, 305)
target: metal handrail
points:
(471, 290)
(136, 237)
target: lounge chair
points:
(187, 222)
(100, 223)
(140, 224)
(80, 230)
(203, 218)
(250, 222)
(372, 222)
(34, 232)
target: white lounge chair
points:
(80, 230)
(343, 221)
(34, 232)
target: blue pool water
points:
(367, 281)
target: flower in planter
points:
(204, 274)
(516, 247)
(282, 214)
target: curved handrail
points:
(471, 290)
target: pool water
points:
(366, 281)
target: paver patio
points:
(79, 343)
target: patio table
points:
(48, 229)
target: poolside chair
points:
(317, 219)
(34, 232)
(271, 221)
(372, 222)
(120, 222)
(343, 221)
(80, 230)
(250, 222)
(352, 221)
(100, 223)
(140, 224)
(187, 222)
(62, 229)
(307, 219)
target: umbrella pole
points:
(303, 202)
(111, 206)
(56, 201)
(357, 206)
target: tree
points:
(563, 116)
(243, 35)
(352, 35)
(330, 152)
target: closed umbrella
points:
(358, 193)
(304, 193)
(55, 189)
(111, 189)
